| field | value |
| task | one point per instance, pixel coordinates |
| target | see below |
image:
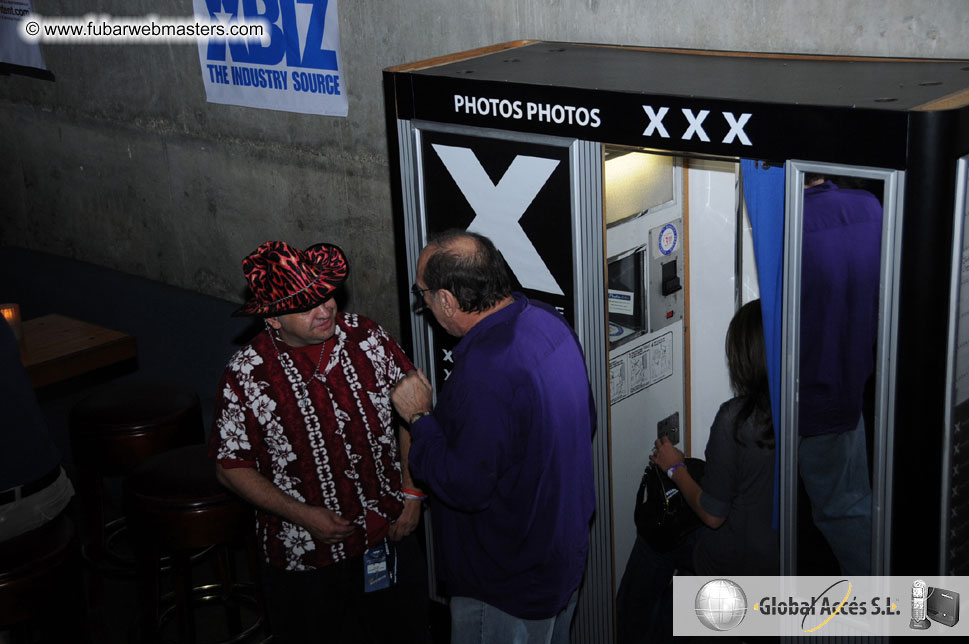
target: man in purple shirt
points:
(506, 451)
(840, 263)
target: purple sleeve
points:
(462, 468)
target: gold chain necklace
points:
(304, 385)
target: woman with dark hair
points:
(738, 480)
(734, 502)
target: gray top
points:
(738, 485)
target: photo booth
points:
(647, 194)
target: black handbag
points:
(663, 517)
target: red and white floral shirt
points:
(335, 448)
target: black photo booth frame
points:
(904, 116)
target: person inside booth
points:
(734, 501)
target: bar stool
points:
(41, 584)
(112, 431)
(175, 506)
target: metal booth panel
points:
(539, 199)
(885, 368)
(954, 555)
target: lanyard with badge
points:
(380, 566)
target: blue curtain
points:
(764, 195)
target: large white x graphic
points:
(736, 128)
(696, 125)
(655, 121)
(499, 207)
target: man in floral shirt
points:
(304, 431)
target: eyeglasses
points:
(419, 292)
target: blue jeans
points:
(475, 622)
(834, 468)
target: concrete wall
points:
(123, 163)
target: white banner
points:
(298, 68)
(13, 49)
(809, 606)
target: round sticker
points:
(667, 239)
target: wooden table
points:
(57, 347)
